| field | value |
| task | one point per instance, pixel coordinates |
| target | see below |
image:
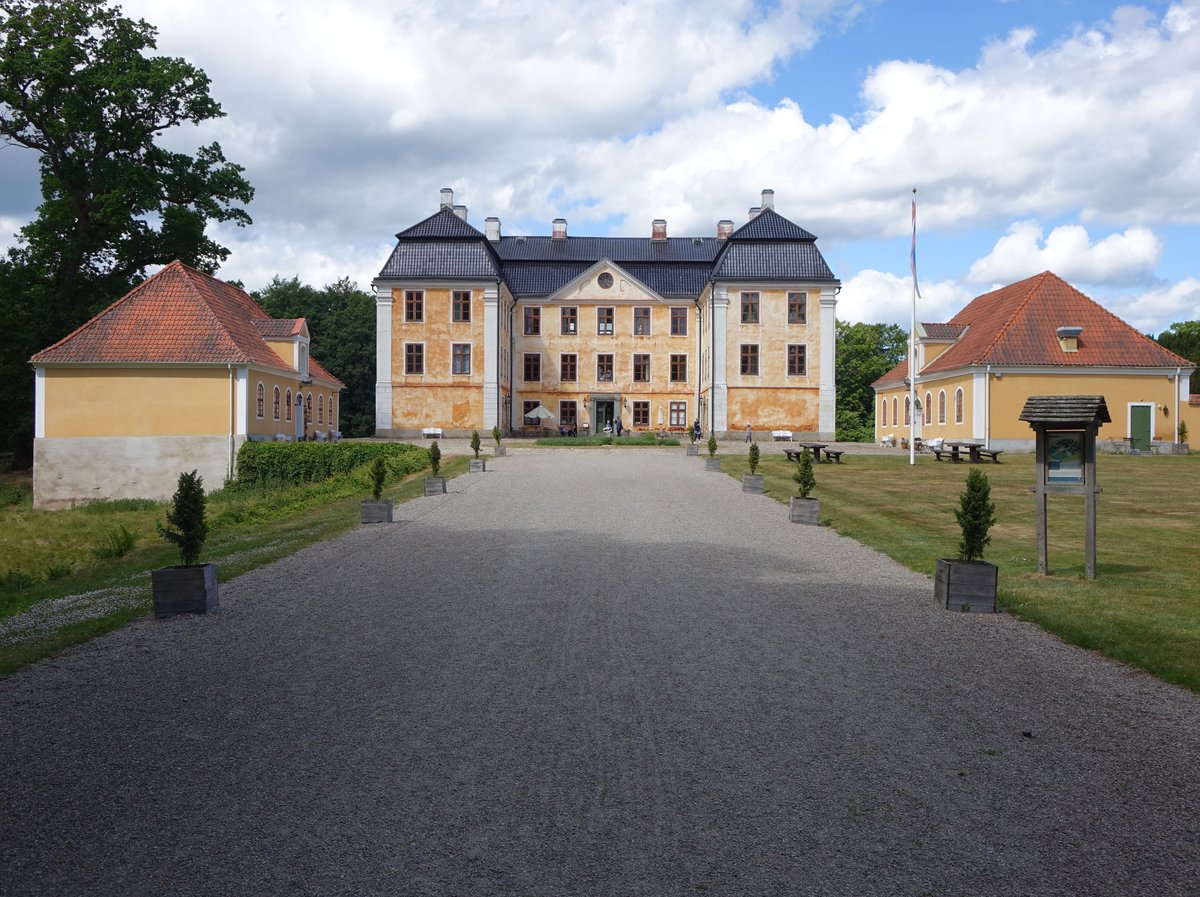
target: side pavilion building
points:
(476, 329)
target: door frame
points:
(1129, 420)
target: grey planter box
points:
(184, 590)
(501, 451)
(967, 586)
(435, 486)
(752, 483)
(477, 465)
(693, 449)
(376, 511)
(804, 510)
(712, 464)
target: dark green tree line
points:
(81, 88)
(865, 352)
(1183, 338)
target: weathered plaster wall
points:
(136, 402)
(778, 408)
(70, 471)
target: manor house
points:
(476, 329)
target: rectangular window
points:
(530, 421)
(604, 367)
(604, 319)
(641, 322)
(533, 320)
(414, 305)
(678, 414)
(750, 360)
(460, 358)
(414, 358)
(641, 414)
(678, 368)
(679, 318)
(462, 306)
(797, 308)
(567, 366)
(797, 361)
(570, 321)
(533, 367)
(568, 414)
(749, 308)
(641, 368)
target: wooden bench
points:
(836, 456)
(781, 435)
(431, 432)
(994, 454)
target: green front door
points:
(1139, 426)
(604, 416)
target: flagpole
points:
(912, 345)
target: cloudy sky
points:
(1040, 134)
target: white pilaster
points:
(827, 407)
(491, 358)
(383, 357)
(720, 382)
(979, 385)
(241, 417)
(40, 402)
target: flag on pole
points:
(913, 252)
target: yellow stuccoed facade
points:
(138, 401)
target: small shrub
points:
(1183, 431)
(186, 515)
(712, 446)
(14, 494)
(117, 542)
(435, 459)
(805, 479)
(475, 443)
(976, 515)
(378, 475)
(753, 457)
(496, 434)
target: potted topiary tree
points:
(803, 509)
(968, 583)
(711, 462)
(378, 509)
(1182, 447)
(752, 482)
(500, 450)
(434, 484)
(190, 588)
(693, 446)
(478, 465)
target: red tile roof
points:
(943, 331)
(1018, 324)
(178, 316)
(279, 328)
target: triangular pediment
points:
(605, 282)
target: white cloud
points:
(1069, 252)
(1156, 309)
(881, 297)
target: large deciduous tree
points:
(865, 352)
(79, 86)
(1183, 338)
(341, 321)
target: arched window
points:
(275, 403)
(941, 406)
(883, 412)
(958, 405)
(895, 415)
(321, 409)
(332, 417)
(308, 409)
(287, 406)
(928, 415)
(259, 396)
(907, 411)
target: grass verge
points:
(1144, 606)
(56, 590)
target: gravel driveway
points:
(600, 672)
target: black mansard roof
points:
(768, 248)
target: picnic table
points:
(816, 448)
(975, 451)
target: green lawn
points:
(51, 555)
(1144, 606)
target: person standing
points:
(696, 429)
(749, 434)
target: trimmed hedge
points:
(293, 463)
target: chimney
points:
(658, 230)
(492, 227)
(560, 229)
(724, 229)
(461, 212)
(1068, 338)
(447, 200)
(754, 212)
(768, 199)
